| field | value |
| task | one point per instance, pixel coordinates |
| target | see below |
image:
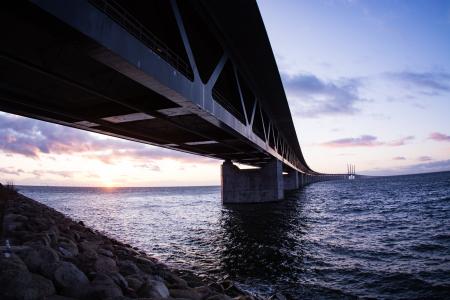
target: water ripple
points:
(384, 238)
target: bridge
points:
(197, 76)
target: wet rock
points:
(70, 280)
(148, 268)
(89, 245)
(59, 297)
(119, 280)
(48, 270)
(127, 267)
(105, 252)
(204, 291)
(134, 282)
(7, 218)
(105, 264)
(89, 254)
(103, 287)
(35, 257)
(10, 227)
(67, 248)
(21, 284)
(31, 258)
(53, 233)
(48, 255)
(12, 263)
(41, 286)
(277, 296)
(173, 281)
(219, 297)
(40, 237)
(185, 293)
(154, 289)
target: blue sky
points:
(368, 82)
(374, 75)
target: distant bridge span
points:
(197, 76)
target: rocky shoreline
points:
(46, 255)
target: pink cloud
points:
(439, 137)
(399, 158)
(400, 142)
(366, 141)
(362, 141)
(425, 158)
(33, 138)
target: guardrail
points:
(120, 15)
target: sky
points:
(368, 83)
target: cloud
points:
(400, 142)
(362, 141)
(11, 171)
(427, 167)
(32, 138)
(399, 158)
(425, 158)
(313, 97)
(35, 173)
(432, 82)
(439, 137)
(365, 141)
(64, 174)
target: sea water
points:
(383, 237)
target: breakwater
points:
(46, 255)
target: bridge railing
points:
(120, 15)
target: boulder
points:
(134, 282)
(12, 263)
(146, 265)
(153, 289)
(7, 218)
(105, 252)
(59, 297)
(48, 270)
(48, 255)
(173, 281)
(105, 264)
(185, 293)
(219, 297)
(70, 280)
(31, 258)
(103, 287)
(21, 284)
(127, 267)
(204, 291)
(119, 280)
(67, 248)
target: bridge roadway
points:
(197, 76)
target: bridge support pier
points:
(252, 185)
(291, 180)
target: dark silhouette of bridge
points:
(197, 76)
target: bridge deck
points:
(182, 85)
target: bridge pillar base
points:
(291, 180)
(252, 185)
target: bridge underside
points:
(177, 74)
(52, 72)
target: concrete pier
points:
(291, 180)
(252, 185)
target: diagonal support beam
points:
(185, 39)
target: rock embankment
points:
(53, 257)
